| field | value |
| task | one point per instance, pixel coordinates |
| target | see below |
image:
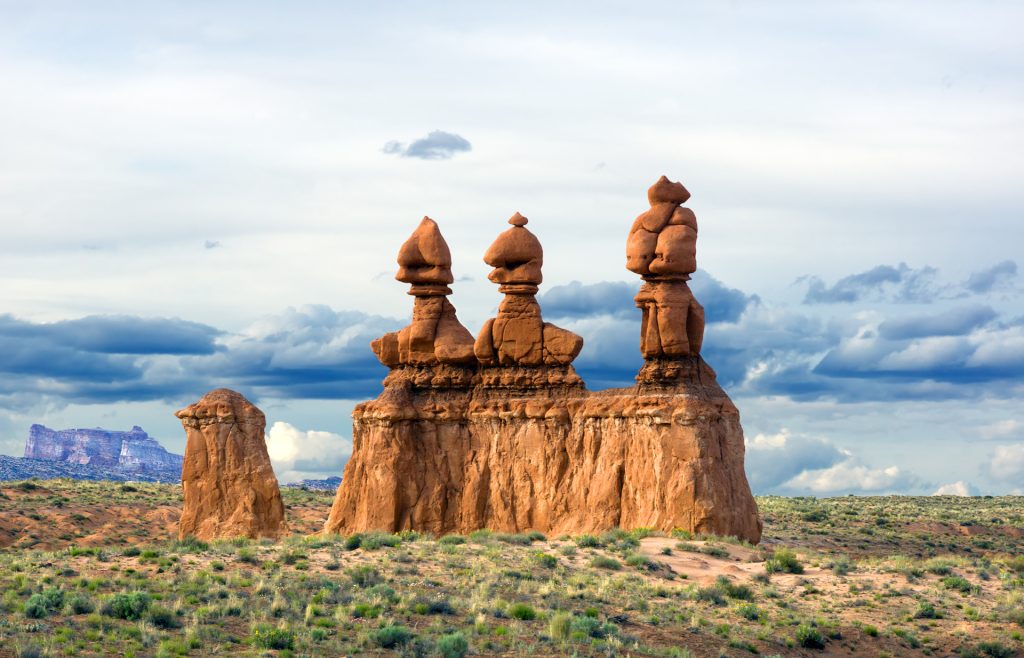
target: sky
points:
(195, 195)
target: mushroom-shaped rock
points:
(516, 255)
(228, 482)
(424, 259)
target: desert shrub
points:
(748, 611)
(841, 565)
(366, 611)
(809, 637)
(714, 551)
(162, 617)
(587, 626)
(432, 606)
(364, 576)
(815, 516)
(190, 544)
(545, 560)
(679, 533)
(80, 604)
(515, 540)
(521, 611)
(373, 540)
(291, 557)
(36, 607)
(247, 555)
(939, 566)
(452, 645)
(560, 626)
(391, 636)
(732, 590)
(962, 585)
(783, 560)
(452, 540)
(30, 651)
(352, 542)
(588, 541)
(926, 610)
(266, 636)
(536, 535)
(637, 561)
(604, 562)
(129, 606)
(480, 536)
(712, 594)
(987, 650)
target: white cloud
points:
(959, 488)
(1007, 463)
(313, 454)
(773, 459)
(850, 476)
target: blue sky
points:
(212, 194)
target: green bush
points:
(588, 541)
(926, 610)
(352, 542)
(962, 585)
(809, 637)
(164, 618)
(366, 611)
(637, 561)
(748, 611)
(391, 636)
(364, 576)
(127, 606)
(266, 636)
(604, 562)
(452, 540)
(80, 604)
(371, 541)
(545, 560)
(783, 560)
(560, 626)
(521, 611)
(190, 545)
(452, 645)
(36, 607)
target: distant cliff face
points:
(133, 450)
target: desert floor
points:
(93, 568)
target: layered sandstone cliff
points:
(513, 440)
(129, 451)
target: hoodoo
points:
(505, 435)
(228, 482)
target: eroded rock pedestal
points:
(228, 482)
(514, 441)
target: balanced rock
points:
(435, 335)
(228, 482)
(516, 442)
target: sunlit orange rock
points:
(228, 482)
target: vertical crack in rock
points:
(500, 432)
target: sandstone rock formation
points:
(516, 442)
(229, 485)
(662, 248)
(435, 335)
(129, 452)
(518, 336)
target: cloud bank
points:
(437, 145)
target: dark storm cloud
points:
(615, 298)
(437, 145)
(992, 278)
(900, 283)
(958, 321)
(312, 352)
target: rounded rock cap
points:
(221, 406)
(666, 191)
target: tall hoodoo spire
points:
(662, 248)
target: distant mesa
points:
(127, 453)
(500, 432)
(228, 483)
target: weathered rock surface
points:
(516, 442)
(131, 451)
(228, 482)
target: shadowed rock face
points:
(515, 442)
(228, 482)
